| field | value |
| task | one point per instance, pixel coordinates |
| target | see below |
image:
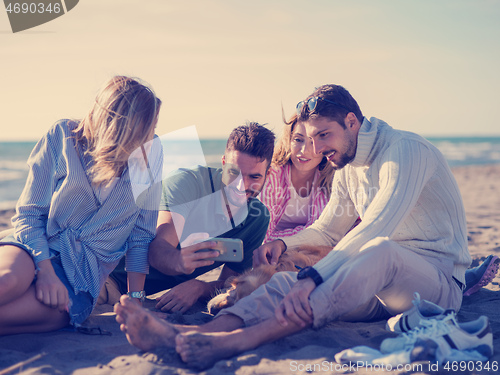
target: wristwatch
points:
(310, 272)
(139, 295)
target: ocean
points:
(458, 151)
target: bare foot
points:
(143, 329)
(203, 350)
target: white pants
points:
(375, 284)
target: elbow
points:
(153, 260)
(153, 255)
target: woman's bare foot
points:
(203, 350)
(143, 330)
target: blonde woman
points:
(299, 184)
(81, 210)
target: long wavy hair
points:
(282, 155)
(122, 119)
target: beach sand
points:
(66, 352)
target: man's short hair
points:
(334, 102)
(252, 139)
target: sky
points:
(426, 66)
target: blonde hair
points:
(282, 155)
(122, 119)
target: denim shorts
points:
(81, 304)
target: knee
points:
(381, 247)
(283, 277)
(280, 283)
(8, 281)
(377, 242)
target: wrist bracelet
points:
(141, 296)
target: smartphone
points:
(230, 249)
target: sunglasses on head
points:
(313, 102)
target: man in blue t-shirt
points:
(203, 203)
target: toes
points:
(121, 317)
(124, 299)
(180, 339)
(182, 354)
(181, 346)
(117, 308)
(128, 303)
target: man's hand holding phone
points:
(191, 257)
(197, 250)
(228, 249)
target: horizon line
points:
(19, 140)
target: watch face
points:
(140, 294)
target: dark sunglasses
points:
(313, 102)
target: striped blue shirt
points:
(59, 211)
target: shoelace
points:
(430, 328)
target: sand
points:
(67, 352)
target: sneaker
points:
(448, 334)
(410, 319)
(482, 275)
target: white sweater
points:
(402, 188)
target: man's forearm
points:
(164, 257)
